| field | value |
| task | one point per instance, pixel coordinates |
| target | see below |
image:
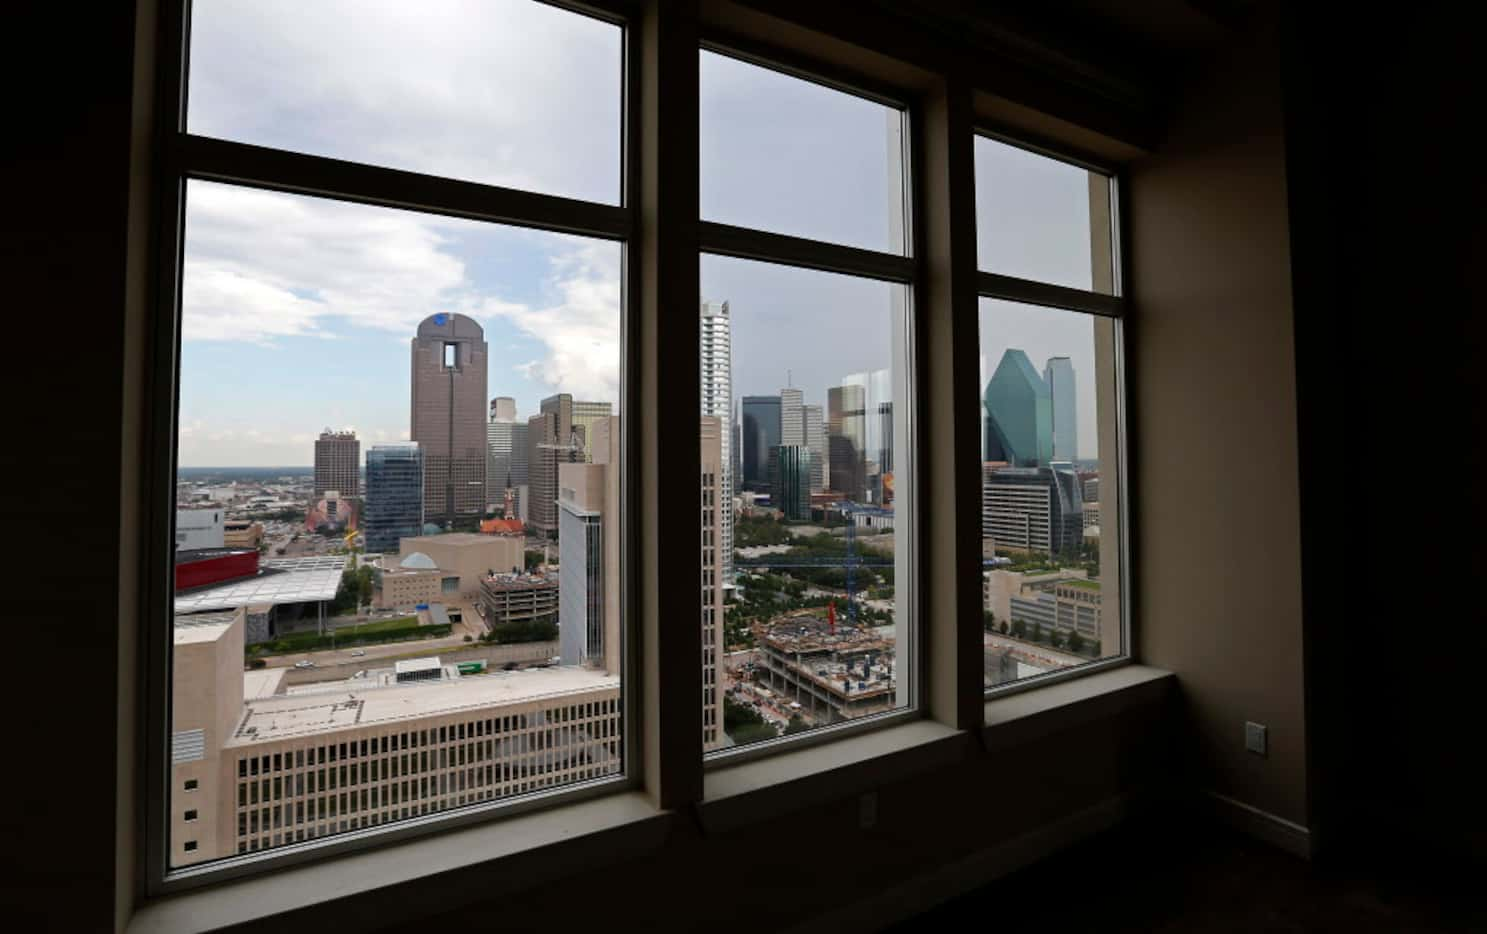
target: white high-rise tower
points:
(717, 402)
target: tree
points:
(1019, 629)
(1076, 642)
(1055, 638)
(988, 621)
(1004, 627)
(796, 725)
(1038, 632)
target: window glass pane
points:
(504, 92)
(397, 574)
(804, 407)
(1041, 219)
(1050, 516)
(790, 156)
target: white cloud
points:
(508, 92)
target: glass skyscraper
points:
(761, 436)
(1019, 414)
(394, 497)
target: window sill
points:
(798, 779)
(448, 869)
(1019, 718)
(738, 795)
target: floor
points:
(1179, 879)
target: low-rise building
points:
(406, 581)
(242, 533)
(467, 558)
(252, 768)
(833, 672)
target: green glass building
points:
(1019, 414)
(791, 489)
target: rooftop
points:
(280, 580)
(290, 716)
(206, 627)
(417, 542)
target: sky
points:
(298, 312)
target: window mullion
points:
(950, 535)
(666, 411)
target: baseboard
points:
(927, 890)
(1262, 825)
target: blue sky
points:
(297, 312)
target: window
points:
(1049, 415)
(415, 294)
(465, 340)
(806, 434)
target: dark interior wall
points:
(1214, 491)
(63, 248)
(1390, 226)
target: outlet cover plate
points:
(1255, 739)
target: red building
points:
(201, 566)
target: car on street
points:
(304, 664)
(357, 653)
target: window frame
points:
(179, 157)
(1114, 306)
(662, 753)
(906, 271)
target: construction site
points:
(832, 671)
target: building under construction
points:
(834, 671)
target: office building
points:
(506, 451)
(552, 439)
(716, 360)
(585, 414)
(395, 495)
(448, 421)
(337, 463)
(588, 553)
(503, 409)
(714, 507)
(761, 436)
(792, 416)
(1019, 414)
(1035, 509)
(791, 489)
(1059, 375)
(199, 528)
(266, 768)
(845, 418)
(815, 441)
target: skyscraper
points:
(790, 490)
(844, 440)
(506, 451)
(1059, 375)
(337, 463)
(1019, 414)
(588, 550)
(815, 440)
(395, 496)
(449, 415)
(761, 435)
(585, 414)
(503, 408)
(792, 416)
(714, 468)
(716, 358)
(552, 439)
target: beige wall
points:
(469, 555)
(1217, 560)
(409, 588)
(200, 669)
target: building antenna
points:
(788, 383)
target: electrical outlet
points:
(1254, 738)
(867, 810)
